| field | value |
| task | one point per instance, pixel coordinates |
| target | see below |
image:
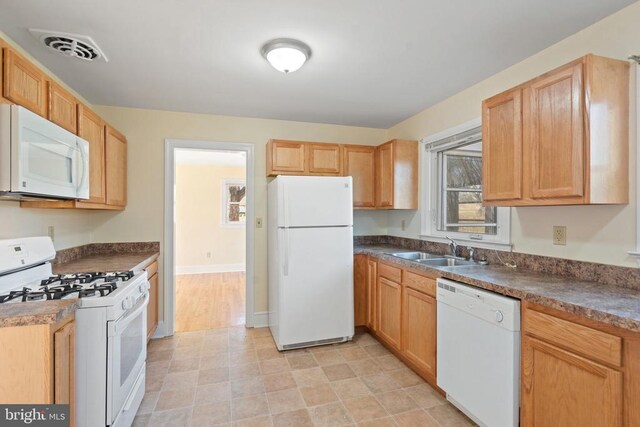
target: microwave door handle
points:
(83, 157)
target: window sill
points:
(482, 244)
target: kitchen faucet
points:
(453, 245)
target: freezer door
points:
(316, 293)
(315, 201)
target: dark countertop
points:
(36, 312)
(108, 262)
(614, 305)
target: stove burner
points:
(62, 285)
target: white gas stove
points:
(111, 325)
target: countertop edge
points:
(579, 310)
(33, 319)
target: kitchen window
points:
(234, 203)
(452, 177)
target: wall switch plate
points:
(258, 222)
(559, 235)
(51, 232)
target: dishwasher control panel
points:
(488, 306)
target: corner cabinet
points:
(384, 177)
(559, 139)
(116, 167)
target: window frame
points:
(432, 191)
(225, 203)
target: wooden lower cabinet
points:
(569, 379)
(152, 307)
(38, 364)
(370, 288)
(389, 303)
(419, 330)
(359, 290)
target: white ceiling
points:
(210, 157)
(374, 63)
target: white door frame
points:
(169, 225)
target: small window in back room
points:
(234, 203)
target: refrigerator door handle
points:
(285, 264)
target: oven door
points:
(127, 352)
(47, 160)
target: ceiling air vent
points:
(72, 45)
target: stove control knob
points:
(126, 304)
(499, 316)
(142, 288)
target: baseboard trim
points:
(209, 268)
(261, 319)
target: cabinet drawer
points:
(592, 343)
(392, 273)
(420, 283)
(152, 269)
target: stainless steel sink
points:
(446, 262)
(416, 256)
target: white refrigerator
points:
(310, 235)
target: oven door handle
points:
(121, 324)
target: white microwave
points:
(39, 158)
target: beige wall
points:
(201, 238)
(594, 233)
(146, 131)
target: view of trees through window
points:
(461, 207)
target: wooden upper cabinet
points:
(115, 167)
(384, 176)
(502, 146)
(397, 175)
(574, 137)
(324, 159)
(554, 141)
(285, 157)
(63, 108)
(91, 128)
(359, 164)
(23, 83)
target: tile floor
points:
(236, 376)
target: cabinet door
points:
(419, 330)
(359, 164)
(24, 84)
(64, 366)
(285, 157)
(502, 147)
(372, 274)
(554, 134)
(62, 108)
(324, 159)
(360, 290)
(563, 389)
(91, 128)
(384, 176)
(389, 296)
(152, 309)
(116, 167)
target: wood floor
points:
(209, 301)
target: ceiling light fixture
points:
(286, 55)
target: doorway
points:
(209, 251)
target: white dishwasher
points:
(478, 362)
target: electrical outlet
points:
(403, 225)
(258, 222)
(559, 235)
(208, 254)
(51, 232)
